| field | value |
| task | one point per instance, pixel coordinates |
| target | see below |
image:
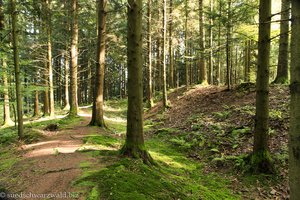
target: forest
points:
(150, 99)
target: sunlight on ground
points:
(168, 160)
(25, 147)
(84, 115)
(52, 151)
(96, 148)
(42, 119)
(116, 119)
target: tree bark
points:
(7, 119)
(282, 67)
(47, 21)
(218, 69)
(164, 66)
(17, 68)
(260, 158)
(1, 19)
(74, 60)
(149, 69)
(202, 65)
(90, 84)
(67, 66)
(171, 61)
(98, 110)
(294, 134)
(228, 47)
(159, 49)
(210, 61)
(36, 111)
(134, 145)
(247, 61)
(186, 47)
(6, 109)
(46, 93)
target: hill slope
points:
(215, 126)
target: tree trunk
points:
(282, 67)
(17, 68)
(134, 145)
(202, 66)
(90, 84)
(210, 61)
(228, 47)
(46, 94)
(74, 60)
(159, 50)
(98, 110)
(171, 61)
(6, 117)
(247, 61)
(164, 71)
(218, 69)
(294, 134)
(186, 44)
(67, 65)
(149, 69)
(260, 158)
(47, 21)
(36, 111)
(1, 19)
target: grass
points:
(174, 177)
(32, 130)
(8, 158)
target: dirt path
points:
(53, 164)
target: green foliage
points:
(222, 115)
(166, 131)
(249, 110)
(238, 161)
(238, 132)
(275, 114)
(8, 136)
(181, 142)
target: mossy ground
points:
(32, 130)
(173, 177)
(202, 156)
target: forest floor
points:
(200, 145)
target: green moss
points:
(174, 177)
(281, 80)
(104, 140)
(94, 194)
(8, 158)
(261, 162)
(85, 165)
(118, 127)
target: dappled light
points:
(150, 99)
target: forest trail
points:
(53, 164)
